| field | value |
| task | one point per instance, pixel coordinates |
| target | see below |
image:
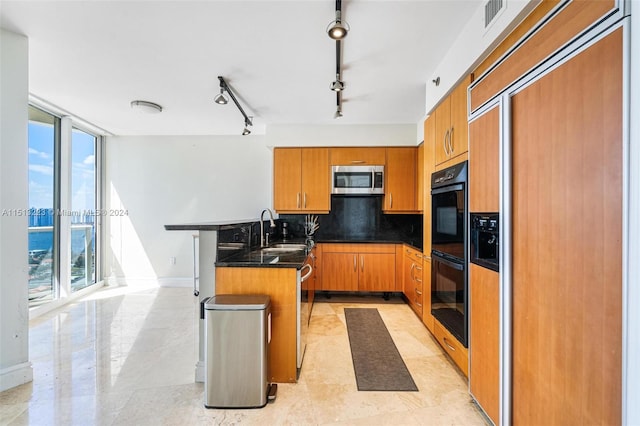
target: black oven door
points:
(448, 221)
(449, 295)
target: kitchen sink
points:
(284, 248)
(289, 246)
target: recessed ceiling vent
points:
(491, 10)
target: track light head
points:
(337, 85)
(247, 123)
(337, 29)
(221, 99)
(338, 113)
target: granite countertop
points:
(255, 257)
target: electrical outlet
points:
(172, 260)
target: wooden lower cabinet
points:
(359, 267)
(484, 339)
(413, 279)
(458, 353)
(280, 285)
(427, 318)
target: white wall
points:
(341, 135)
(159, 180)
(15, 368)
(473, 45)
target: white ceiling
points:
(92, 58)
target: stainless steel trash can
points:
(237, 336)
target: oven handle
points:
(456, 187)
(454, 265)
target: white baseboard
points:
(15, 376)
(143, 282)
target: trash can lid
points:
(238, 302)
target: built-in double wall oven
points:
(449, 250)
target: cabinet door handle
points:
(451, 142)
(413, 265)
(298, 200)
(390, 200)
(305, 200)
(445, 143)
(447, 343)
(355, 262)
(362, 263)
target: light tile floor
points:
(127, 357)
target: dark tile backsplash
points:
(359, 218)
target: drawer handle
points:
(418, 303)
(419, 280)
(418, 292)
(447, 343)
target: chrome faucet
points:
(273, 225)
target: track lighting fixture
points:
(222, 100)
(338, 29)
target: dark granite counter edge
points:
(208, 226)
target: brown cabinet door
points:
(400, 176)
(567, 241)
(286, 179)
(420, 178)
(443, 128)
(377, 272)
(354, 156)
(315, 190)
(340, 271)
(484, 349)
(429, 166)
(427, 318)
(484, 162)
(459, 130)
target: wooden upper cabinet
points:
(316, 191)
(442, 116)
(420, 178)
(287, 176)
(451, 131)
(301, 180)
(484, 162)
(353, 156)
(429, 167)
(400, 180)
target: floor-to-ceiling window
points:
(64, 209)
(84, 209)
(44, 130)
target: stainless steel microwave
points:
(362, 180)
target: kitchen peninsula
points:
(207, 236)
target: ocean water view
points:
(39, 241)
